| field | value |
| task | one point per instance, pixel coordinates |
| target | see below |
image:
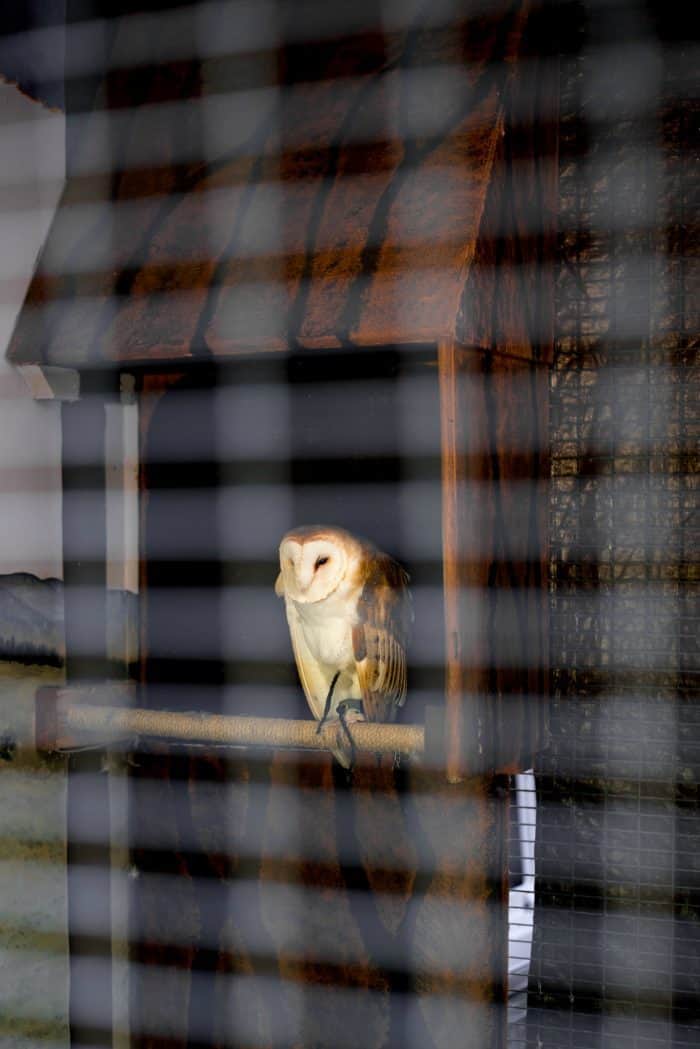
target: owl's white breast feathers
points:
(327, 635)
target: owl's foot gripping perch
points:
(354, 707)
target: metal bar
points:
(232, 730)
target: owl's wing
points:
(380, 637)
(313, 680)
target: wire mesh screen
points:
(617, 932)
(271, 208)
(521, 901)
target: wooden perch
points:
(68, 718)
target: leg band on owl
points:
(350, 704)
(327, 707)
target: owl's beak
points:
(304, 579)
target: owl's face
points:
(311, 569)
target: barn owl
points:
(348, 608)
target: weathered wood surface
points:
(277, 903)
(508, 299)
(335, 202)
(361, 199)
(494, 422)
(314, 911)
(494, 425)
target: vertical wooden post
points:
(85, 593)
(494, 462)
(463, 443)
(452, 470)
(464, 439)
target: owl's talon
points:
(342, 715)
(354, 705)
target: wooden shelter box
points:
(347, 243)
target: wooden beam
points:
(49, 383)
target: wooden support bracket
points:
(51, 383)
(53, 732)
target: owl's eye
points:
(322, 561)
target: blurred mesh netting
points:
(617, 917)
